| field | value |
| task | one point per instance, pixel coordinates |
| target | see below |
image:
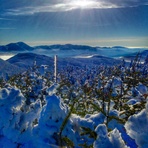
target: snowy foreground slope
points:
(18, 127)
(98, 106)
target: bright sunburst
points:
(82, 3)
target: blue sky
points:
(91, 22)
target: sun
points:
(82, 3)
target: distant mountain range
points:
(26, 60)
(74, 55)
(21, 46)
(66, 47)
(69, 50)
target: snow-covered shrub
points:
(33, 83)
(137, 127)
(16, 119)
(11, 114)
(50, 122)
(105, 139)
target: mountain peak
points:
(19, 46)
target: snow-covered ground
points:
(96, 102)
(96, 106)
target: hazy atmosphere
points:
(91, 22)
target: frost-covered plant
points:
(16, 119)
(137, 127)
(33, 83)
(105, 139)
(51, 122)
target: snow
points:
(50, 121)
(131, 102)
(116, 139)
(52, 89)
(42, 69)
(142, 89)
(105, 139)
(84, 56)
(16, 125)
(137, 127)
(88, 105)
(102, 140)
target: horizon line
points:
(49, 43)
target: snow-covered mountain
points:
(23, 61)
(26, 60)
(7, 68)
(18, 47)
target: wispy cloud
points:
(128, 3)
(6, 19)
(68, 5)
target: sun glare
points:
(83, 3)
